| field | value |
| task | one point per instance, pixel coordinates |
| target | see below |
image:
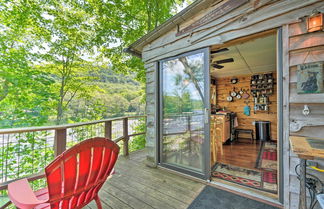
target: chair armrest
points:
(113, 171)
(22, 195)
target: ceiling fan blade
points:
(224, 61)
(219, 50)
(217, 66)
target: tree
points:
(70, 49)
(134, 19)
(64, 42)
(23, 90)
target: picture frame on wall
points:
(310, 78)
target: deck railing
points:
(25, 152)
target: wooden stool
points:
(219, 139)
(244, 131)
(213, 142)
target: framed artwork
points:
(310, 78)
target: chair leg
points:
(97, 199)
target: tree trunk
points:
(59, 115)
(188, 70)
(5, 90)
(149, 15)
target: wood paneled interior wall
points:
(304, 47)
(224, 87)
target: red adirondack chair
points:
(74, 178)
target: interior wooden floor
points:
(241, 153)
(137, 186)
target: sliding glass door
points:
(184, 117)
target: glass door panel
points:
(184, 117)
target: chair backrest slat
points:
(75, 177)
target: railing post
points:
(125, 137)
(108, 130)
(59, 141)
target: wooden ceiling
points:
(250, 57)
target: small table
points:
(303, 147)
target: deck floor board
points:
(137, 186)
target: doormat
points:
(262, 180)
(213, 198)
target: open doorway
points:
(243, 97)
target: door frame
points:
(280, 115)
(280, 112)
(206, 145)
(278, 32)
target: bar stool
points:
(213, 141)
(219, 136)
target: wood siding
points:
(254, 17)
(304, 47)
(151, 112)
(248, 19)
(245, 122)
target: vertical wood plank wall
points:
(304, 47)
(151, 112)
(245, 122)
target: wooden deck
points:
(137, 186)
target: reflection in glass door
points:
(184, 118)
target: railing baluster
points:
(125, 137)
(59, 141)
(7, 150)
(108, 130)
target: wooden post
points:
(108, 125)
(59, 141)
(302, 194)
(125, 137)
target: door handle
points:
(206, 115)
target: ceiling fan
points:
(217, 63)
(219, 50)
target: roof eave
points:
(131, 51)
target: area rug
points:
(267, 163)
(267, 158)
(258, 179)
(213, 198)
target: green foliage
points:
(133, 20)
(138, 142)
(25, 154)
(64, 62)
(52, 52)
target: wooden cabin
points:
(228, 83)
